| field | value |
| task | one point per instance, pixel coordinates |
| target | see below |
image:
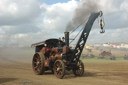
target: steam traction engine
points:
(57, 56)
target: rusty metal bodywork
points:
(53, 49)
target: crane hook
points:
(101, 26)
(101, 22)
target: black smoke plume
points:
(82, 12)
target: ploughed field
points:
(19, 72)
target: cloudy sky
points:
(23, 22)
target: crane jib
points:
(83, 38)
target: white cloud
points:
(57, 16)
(15, 12)
(20, 35)
(115, 13)
(110, 35)
(24, 22)
(108, 6)
(18, 17)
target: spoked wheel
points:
(38, 63)
(59, 69)
(79, 69)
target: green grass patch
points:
(101, 60)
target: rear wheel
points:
(38, 63)
(59, 69)
(79, 69)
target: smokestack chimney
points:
(66, 38)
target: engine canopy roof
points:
(49, 42)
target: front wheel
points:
(38, 63)
(79, 69)
(59, 69)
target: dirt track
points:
(96, 73)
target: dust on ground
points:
(96, 73)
